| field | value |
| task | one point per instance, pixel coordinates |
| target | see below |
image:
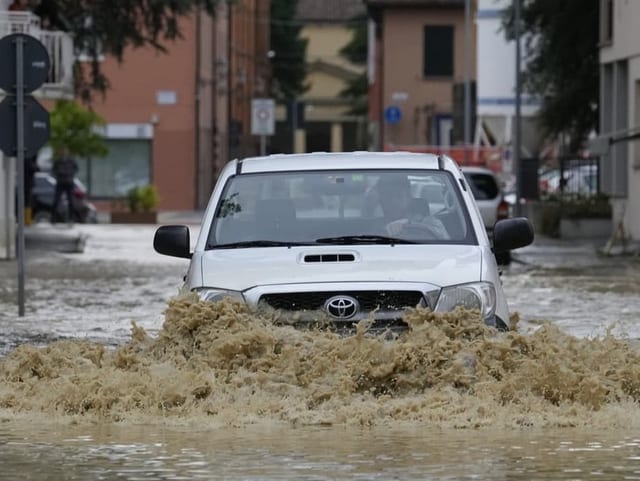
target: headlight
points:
(215, 295)
(477, 295)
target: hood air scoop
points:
(342, 257)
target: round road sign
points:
(392, 114)
(35, 62)
(36, 126)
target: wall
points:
(133, 98)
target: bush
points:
(142, 198)
(586, 207)
(572, 207)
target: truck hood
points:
(242, 269)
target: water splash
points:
(223, 365)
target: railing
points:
(58, 44)
(18, 22)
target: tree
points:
(355, 52)
(107, 27)
(562, 65)
(74, 127)
(288, 64)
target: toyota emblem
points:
(342, 307)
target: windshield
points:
(341, 207)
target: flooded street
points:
(214, 393)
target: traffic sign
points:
(36, 126)
(35, 61)
(263, 117)
(392, 114)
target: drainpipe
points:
(197, 108)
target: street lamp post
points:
(517, 130)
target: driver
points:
(405, 214)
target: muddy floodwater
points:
(114, 374)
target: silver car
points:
(487, 190)
(345, 237)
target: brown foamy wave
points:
(221, 364)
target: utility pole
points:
(517, 130)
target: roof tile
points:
(329, 10)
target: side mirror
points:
(509, 234)
(172, 240)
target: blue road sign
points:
(392, 114)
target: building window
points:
(606, 21)
(438, 51)
(127, 165)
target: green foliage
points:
(550, 219)
(109, 27)
(72, 126)
(288, 65)
(562, 56)
(142, 198)
(355, 52)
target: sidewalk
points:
(551, 252)
(66, 238)
(54, 237)
(189, 217)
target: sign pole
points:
(263, 145)
(25, 123)
(20, 162)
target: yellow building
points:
(328, 125)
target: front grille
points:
(368, 300)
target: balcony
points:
(58, 44)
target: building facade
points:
(417, 57)
(620, 111)
(496, 97)
(175, 118)
(329, 124)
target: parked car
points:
(489, 196)
(297, 235)
(42, 194)
(578, 179)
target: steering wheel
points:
(414, 230)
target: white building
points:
(496, 85)
(59, 84)
(620, 110)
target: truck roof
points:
(342, 160)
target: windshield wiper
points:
(363, 239)
(257, 243)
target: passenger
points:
(407, 215)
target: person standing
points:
(30, 169)
(64, 170)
